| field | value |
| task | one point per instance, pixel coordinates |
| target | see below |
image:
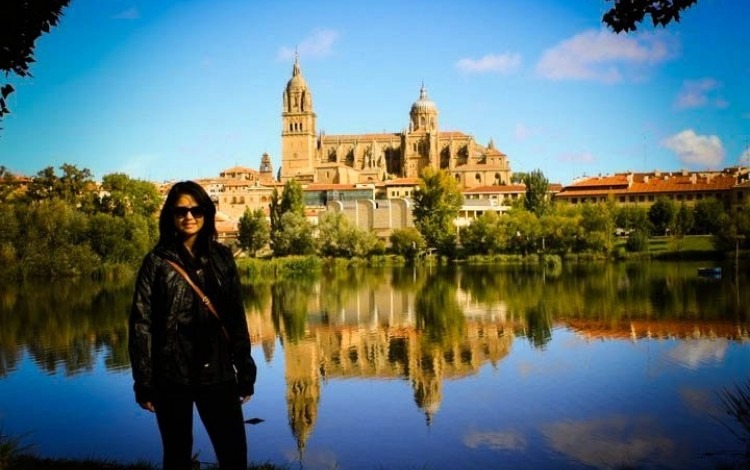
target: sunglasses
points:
(182, 211)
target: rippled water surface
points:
(435, 368)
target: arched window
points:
(478, 177)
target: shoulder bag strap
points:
(204, 298)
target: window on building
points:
(739, 195)
(679, 197)
(622, 198)
(650, 198)
(641, 198)
(631, 198)
(689, 197)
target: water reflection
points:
(423, 326)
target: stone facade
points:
(309, 156)
(380, 217)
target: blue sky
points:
(166, 90)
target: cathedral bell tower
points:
(298, 134)
(421, 141)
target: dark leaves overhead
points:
(626, 14)
(22, 22)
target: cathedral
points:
(309, 156)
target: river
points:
(452, 367)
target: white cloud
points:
(583, 157)
(496, 440)
(496, 63)
(696, 353)
(604, 56)
(694, 149)
(522, 132)
(129, 14)
(318, 44)
(745, 157)
(699, 93)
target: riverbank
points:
(29, 462)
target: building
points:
(309, 156)
(729, 185)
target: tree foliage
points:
(626, 14)
(254, 231)
(294, 236)
(22, 22)
(62, 228)
(662, 215)
(537, 192)
(122, 195)
(338, 237)
(485, 235)
(407, 242)
(290, 202)
(709, 216)
(437, 201)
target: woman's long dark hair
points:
(168, 235)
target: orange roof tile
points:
(506, 188)
(402, 182)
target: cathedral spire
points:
(295, 69)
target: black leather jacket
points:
(173, 338)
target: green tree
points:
(294, 237)
(407, 242)
(631, 218)
(734, 231)
(75, 186)
(626, 14)
(485, 235)
(7, 184)
(22, 22)
(637, 241)
(339, 238)
(662, 214)
(254, 231)
(598, 224)
(291, 202)
(709, 215)
(123, 195)
(684, 220)
(524, 231)
(437, 201)
(118, 239)
(292, 198)
(560, 229)
(53, 241)
(44, 186)
(537, 192)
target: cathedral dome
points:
(423, 104)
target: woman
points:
(180, 352)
